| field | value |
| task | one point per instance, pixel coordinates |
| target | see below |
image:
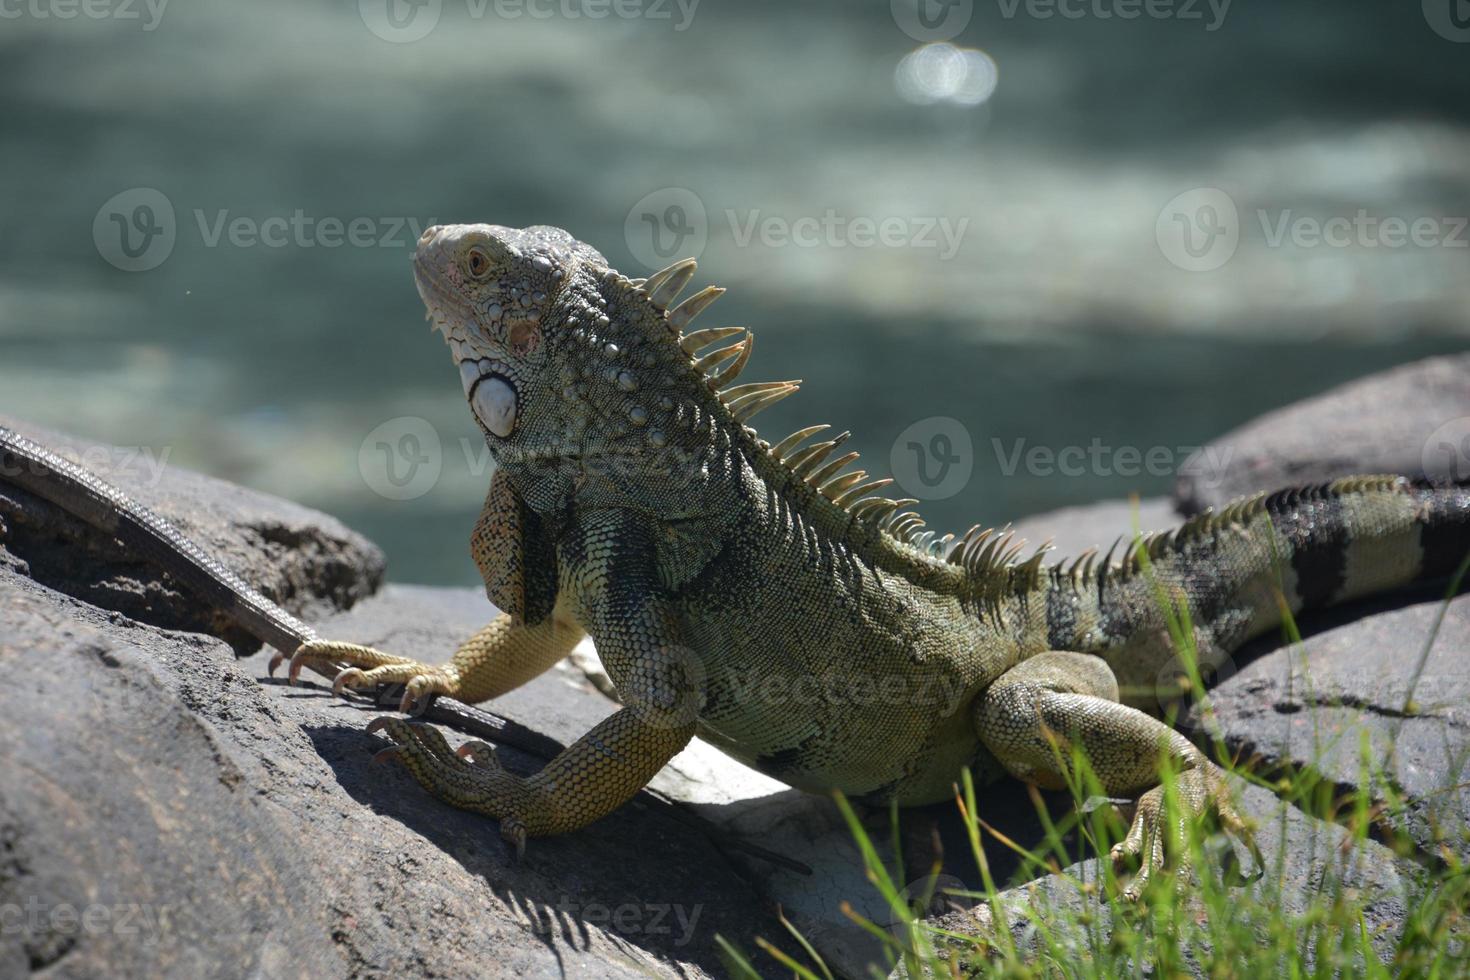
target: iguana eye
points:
(478, 263)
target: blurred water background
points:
(1130, 201)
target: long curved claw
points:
(514, 832)
(478, 753)
(352, 677)
(366, 668)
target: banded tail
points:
(1313, 547)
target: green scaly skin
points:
(767, 599)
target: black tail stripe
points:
(1445, 533)
(1312, 521)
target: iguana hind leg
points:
(497, 659)
(588, 780)
(1035, 712)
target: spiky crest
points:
(991, 558)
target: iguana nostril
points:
(429, 233)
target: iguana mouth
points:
(491, 393)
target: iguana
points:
(633, 502)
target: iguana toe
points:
(370, 668)
(1203, 795)
(471, 778)
(514, 832)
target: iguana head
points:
(589, 383)
(579, 376)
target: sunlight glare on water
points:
(945, 73)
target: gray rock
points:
(167, 811)
(1336, 704)
(1413, 420)
(1305, 859)
(308, 562)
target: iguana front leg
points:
(497, 659)
(519, 566)
(639, 638)
(1032, 715)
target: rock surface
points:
(166, 809)
(1414, 420)
(306, 561)
(1337, 704)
